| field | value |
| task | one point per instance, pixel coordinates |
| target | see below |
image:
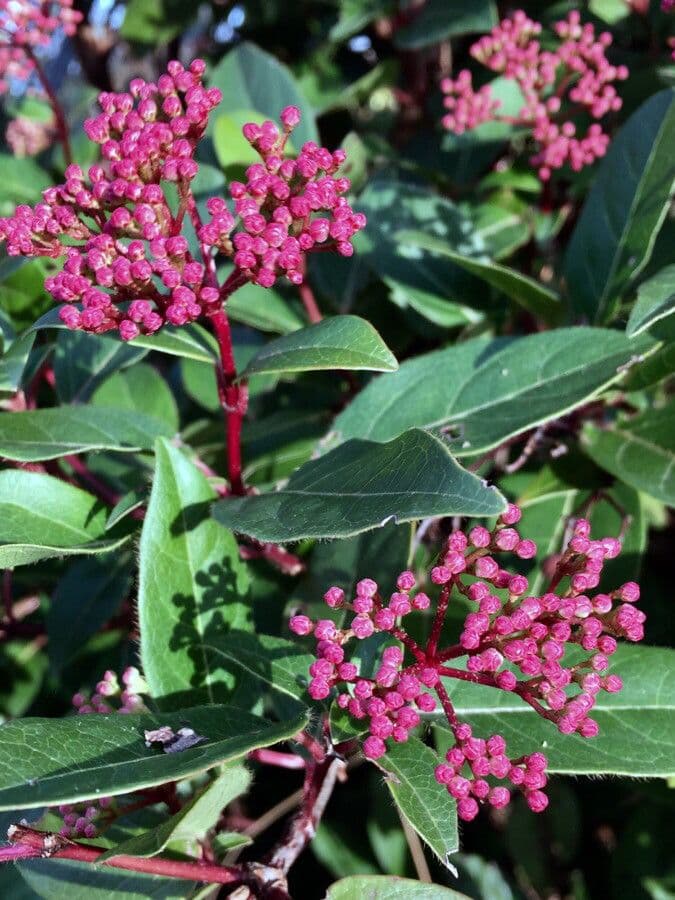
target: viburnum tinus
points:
(551, 650)
(128, 263)
(574, 77)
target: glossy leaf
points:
(486, 391)
(13, 363)
(637, 725)
(655, 301)
(49, 433)
(530, 294)
(192, 584)
(84, 757)
(250, 78)
(430, 811)
(441, 19)
(624, 209)
(339, 342)
(193, 820)
(361, 485)
(41, 515)
(82, 361)
(140, 389)
(388, 887)
(262, 308)
(639, 451)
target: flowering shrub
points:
(337, 433)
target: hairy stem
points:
(439, 619)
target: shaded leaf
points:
(441, 19)
(63, 879)
(624, 209)
(142, 389)
(655, 301)
(388, 887)
(82, 361)
(84, 757)
(359, 486)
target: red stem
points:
(55, 103)
(309, 301)
(55, 847)
(446, 703)
(102, 491)
(276, 758)
(439, 619)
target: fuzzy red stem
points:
(439, 619)
(309, 301)
(170, 868)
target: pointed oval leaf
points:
(388, 887)
(624, 209)
(639, 451)
(192, 584)
(84, 757)
(426, 805)
(340, 342)
(361, 485)
(655, 301)
(49, 433)
(488, 391)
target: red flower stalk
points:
(512, 641)
(575, 74)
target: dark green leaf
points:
(155, 21)
(655, 301)
(533, 296)
(262, 308)
(639, 451)
(84, 757)
(250, 78)
(361, 485)
(49, 433)
(140, 389)
(487, 391)
(624, 209)
(339, 342)
(437, 20)
(13, 363)
(192, 584)
(430, 811)
(82, 361)
(436, 309)
(357, 14)
(85, 598)
(62, 879)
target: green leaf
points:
(530, 294)
(40, 513)
(85, 598)
(250, 78)
(230, 145)
(189, 341)
(262, 308)
(639, 451)
(192, 584)
(63, 879)
(339, 342)
(624, 209)
(155, 21)
(637, 725)
(361, 485)
(49, 433)
(441, 19)
(82, 361)
(655, 301)
(141, 389)
(432, 813)
(487, 391)
(388, 887)
(13, 363)
(24, 553)
(23, 180)
(356, 15)
(441, 312)
(84, 757)
(193, 820)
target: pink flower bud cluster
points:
(111, 696)
(277, 212)
(576, 73)
(551, 650)
(80, 819)
(667, 5)
(473, 760)
(127, 263)
(28, 25)
(28, 137)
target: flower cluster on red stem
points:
(576, 75)
(551, 650)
